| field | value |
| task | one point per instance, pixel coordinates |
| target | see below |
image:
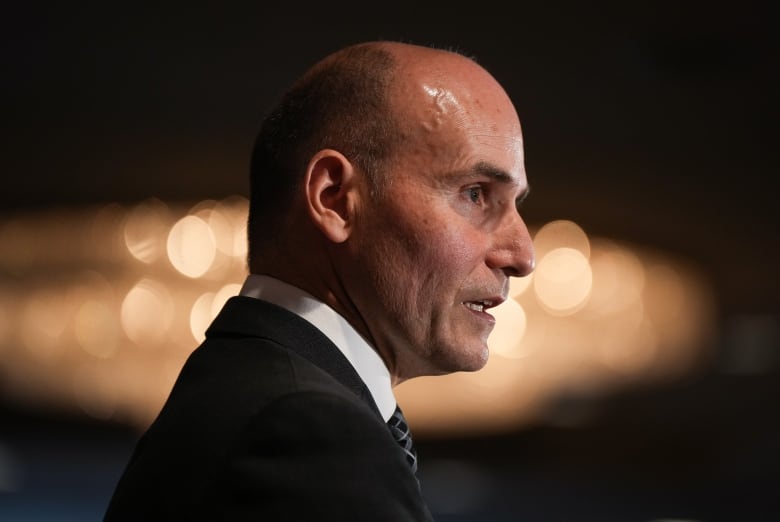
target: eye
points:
(475, 194)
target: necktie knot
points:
(400, 430)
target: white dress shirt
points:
(358, 352)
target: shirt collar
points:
(358, 352)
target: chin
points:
(480, 361)
(465, 361)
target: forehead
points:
(454, 115)
(457, 129)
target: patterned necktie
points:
(400, 430)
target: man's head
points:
(341, 103)
(405, 168)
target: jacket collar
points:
(249, 317)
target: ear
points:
(331, 192)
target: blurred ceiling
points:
(648, 122)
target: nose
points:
(512, 249)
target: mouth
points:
(482, 304)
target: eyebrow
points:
(485, 168)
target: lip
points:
(479, 306)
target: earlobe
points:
(330, 191)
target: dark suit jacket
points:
(267, 421)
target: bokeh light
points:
(561, 233)
(191, 246)
(130, 291)
(144, 230)
(147, 313)
(507, 335)
(563, 280)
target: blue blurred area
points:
(57, 467)
(705, 450)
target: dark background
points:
(649, 122)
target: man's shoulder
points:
(243, 317)
(251, 338)
(251, 368)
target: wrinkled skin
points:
(430, 255)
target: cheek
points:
(443, 263)
(457, 247)
(430, 253)
(463, 248)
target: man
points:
(383, 225)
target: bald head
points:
(441, 91)
(386, 184)
(366, 101)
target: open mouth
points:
(479, 306)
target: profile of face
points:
(437, 247)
